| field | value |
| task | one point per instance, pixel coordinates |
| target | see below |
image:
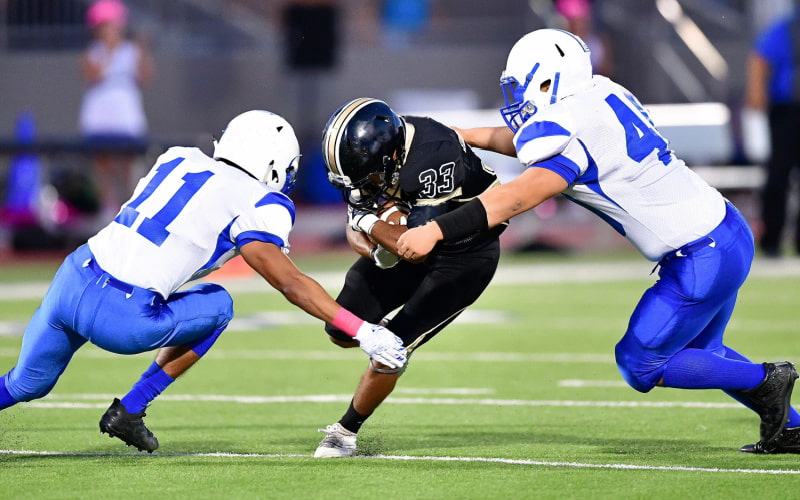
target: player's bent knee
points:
(338, 337)
(221, 298)
(381, 368)
(28, 390)
(343, 343)
(636, 373)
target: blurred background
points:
(209, 60)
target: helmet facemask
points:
(283, 180)
(543, 67)
(370, 191)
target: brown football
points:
(393, 213)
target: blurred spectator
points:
(112, 113)
(773, 86)
(578, 17)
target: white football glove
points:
(381, 345)
(383, 258)
(361, 220)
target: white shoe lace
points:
(337, 428)
(338, 438)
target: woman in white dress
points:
(112, 114)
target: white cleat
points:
(338, 443)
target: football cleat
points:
(129, 427)
(788, 442)
(338, 443)
(771, 399)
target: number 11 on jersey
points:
(154, 228)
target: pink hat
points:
(106, 11)
(572, 9)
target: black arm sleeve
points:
(464, 221)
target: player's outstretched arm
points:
(304, 292)
(497, 139)
(491, 208)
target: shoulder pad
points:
(544, 135)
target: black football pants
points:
(432, 294)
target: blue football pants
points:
(690, 304)
(86, 304)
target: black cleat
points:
(788, 442)
(772, 399)
(129, 427)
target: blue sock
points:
(794, 416)
(6, 401)
(699, 369)
(152, 383)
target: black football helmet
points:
(363, 145)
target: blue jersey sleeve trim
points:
(223, 245)
(250, 236)
(561, 165)
(611, 222)
(275, 198)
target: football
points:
(393, 213)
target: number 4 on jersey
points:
(641, 137)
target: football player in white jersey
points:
(188, 216)
(591, 140)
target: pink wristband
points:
(347, 322)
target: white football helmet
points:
(262, 144)
(543, 56)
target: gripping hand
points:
(383, 258)
(381, 345)
(361, 220)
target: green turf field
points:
(518, 399)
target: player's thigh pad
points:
(46, 352)
(453, 282)
(371, 293)
(689, 305)
(143, 321)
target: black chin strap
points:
(228, 162)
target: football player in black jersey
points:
(383, 164)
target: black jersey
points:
(439, 174)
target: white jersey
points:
(114, 104)
(186, 218)
(603, 143)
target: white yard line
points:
(507, 274)
(408, 458)
(92, 352)
(81, 401)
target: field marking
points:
(575, 271)
(276, 319)
(77, 401)
(427, 458)
(592, 383)
(91, 352)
